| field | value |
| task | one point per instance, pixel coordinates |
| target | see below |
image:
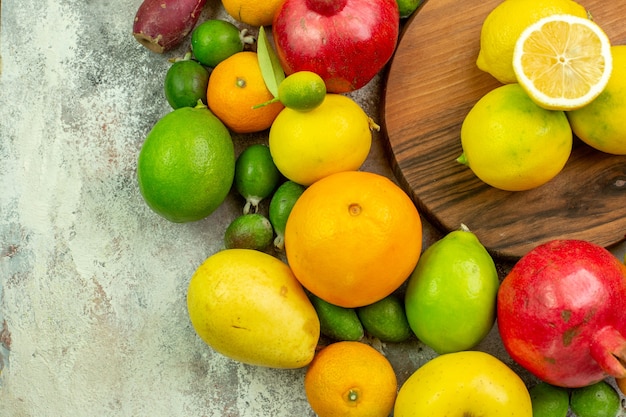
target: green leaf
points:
(272, 71)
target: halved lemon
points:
(563, 61)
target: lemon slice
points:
(563, 61)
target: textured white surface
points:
(92, 283)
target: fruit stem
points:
(373, 125)
(245, 38)
(608, 349)
(462, 159)
(186, 57)
(268, 102)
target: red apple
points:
(562, 313)
(346, 42)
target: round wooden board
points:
(431, 85)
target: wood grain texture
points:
(431, 85)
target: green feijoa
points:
(214, 40)
(595, 400)
(450, 298)
(337, 322)
(256, 175)
(249, 231)
(549, 400)
(185, 83)
(386, 319)
(281, 204)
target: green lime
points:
(185, 83)
(214, 40)
(596, 400)
(256, 176)
(407, 7)
(549, 400)
(337, 322)
(302, 90)
(281, 204)
(386, 319)
(186, 165)
(249, 231)
(450, 298)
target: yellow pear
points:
(248, 305)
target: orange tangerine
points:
(353, 237)
(235, 87)
(350, 379)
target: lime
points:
(385, 319)
(595, 400)
(214, 40)
(450, 298)
(186, 165)
(281, 204)
(249, 231)
(185, 83)
(407, 7)
(256, 176)
(513, 144)
(549, 400)
(302, 90)
(339, 323)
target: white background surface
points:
(92, 283)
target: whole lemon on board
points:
(467, 383)
(307, 146)
(247, 305)
(602, 123)
(186, 165)
(511, 143)
(353, 237)
(505, 23)
(451, 295)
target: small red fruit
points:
(346, 42)
(562, 313)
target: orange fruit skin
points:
(350, 368)
(235, 86)
(353, 237)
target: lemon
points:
(596, 400)
(513, 144)
(451, 295)
(252, 12)
(186, 165)
(563, 61)
(333, 137)
(503, 26)
(248, 306)
(600, 124)
(549, 400)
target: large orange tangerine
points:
(353, 237)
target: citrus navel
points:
(235, 87)
(353, 237)
(350, 379)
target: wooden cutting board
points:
(431, 85)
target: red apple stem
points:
(608, 349)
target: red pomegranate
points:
(346, 42)
(562, 313)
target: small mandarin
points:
(350, 379)
(235, 87)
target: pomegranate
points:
(562, 313)
(346, 42)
